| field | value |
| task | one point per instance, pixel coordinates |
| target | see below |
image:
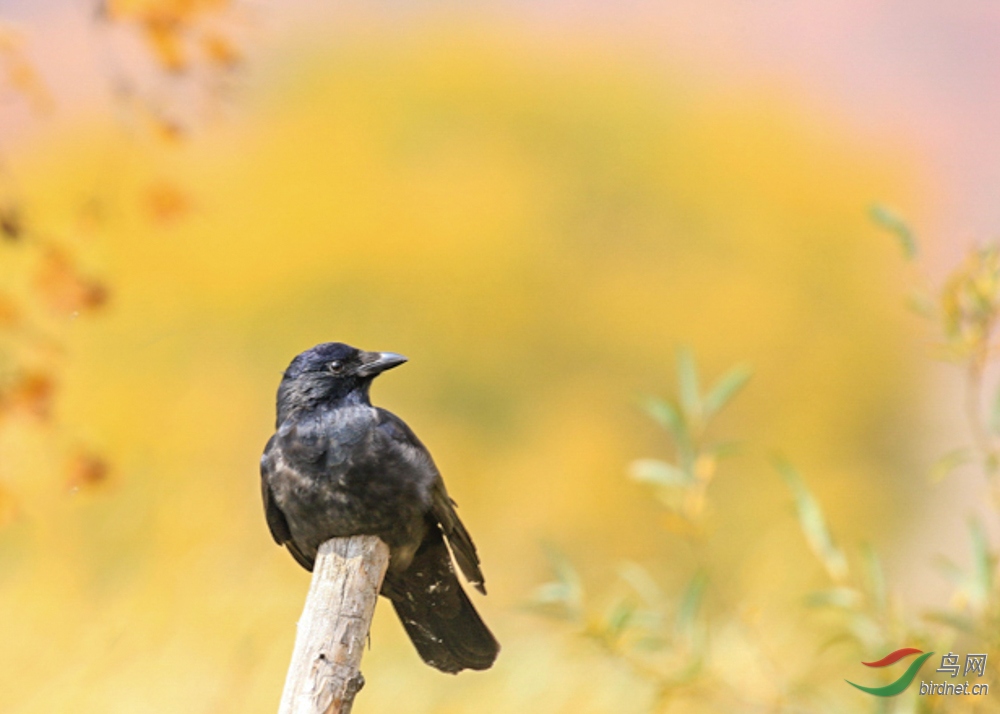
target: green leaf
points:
(949, 462)
(552, 593)
(949, 569)
(875, 577)
(666, 414)
(566, 591)
(618, 617)
(659, 473)
(838, 639)
(651, 643)
(724, 450)
(726, 388)
(983, 561)
(962, 623)
(691, 602)
(920, 303)
(891, 222)
(842, 598)
(813, 523)
(995, 413)
(641, 581)
(865, 629)
(687, 380)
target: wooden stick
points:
(324, 674)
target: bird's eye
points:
(336, 366)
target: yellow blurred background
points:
(538, 224)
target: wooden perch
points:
(332, 633)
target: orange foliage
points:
(10, 223)
(18, 75)
(171, 26)
(166, 202)
(29, 393)
(164, 34)
(63, 289)
(86, 470)
(220, 51)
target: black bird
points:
(337, 466)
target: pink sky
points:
(917, 73)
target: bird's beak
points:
(373, 363)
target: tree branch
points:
(324, 675)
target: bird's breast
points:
(333, 476)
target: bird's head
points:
(332, 372)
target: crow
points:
(336, 466)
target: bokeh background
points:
(538, 204)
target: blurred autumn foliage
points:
(537, 226)
(47, 282)
(179, 33)
(18, 74)
(681, 644)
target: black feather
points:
(437, 614)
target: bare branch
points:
(324, 675)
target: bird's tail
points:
(437, 614)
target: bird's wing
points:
(442, 508)
(276, 520)
(462, 547)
